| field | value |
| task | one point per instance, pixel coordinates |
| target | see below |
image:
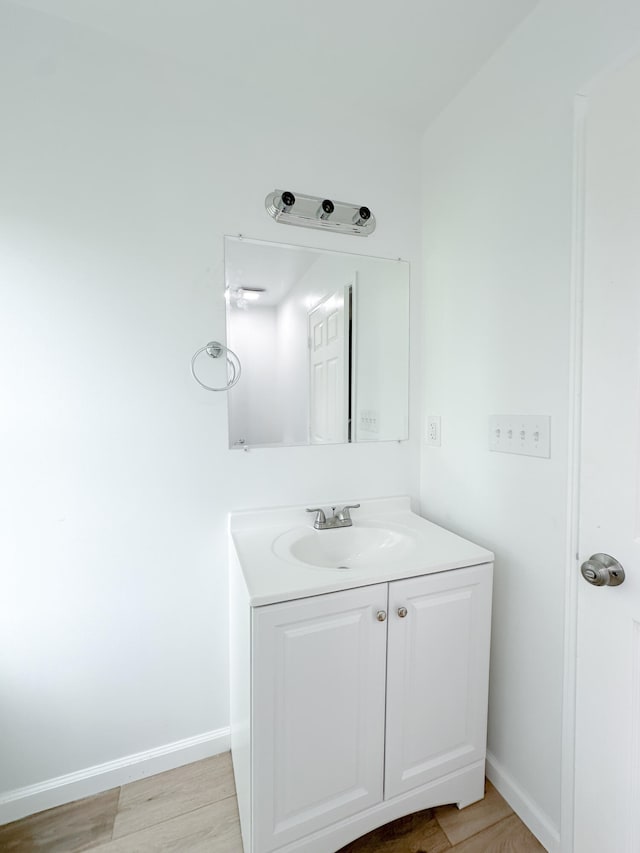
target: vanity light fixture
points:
(310, 211)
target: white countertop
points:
(271, 578)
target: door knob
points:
(381, 615)
(402, 612)
(602, 570)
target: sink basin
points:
(358, 547)
(281, 557)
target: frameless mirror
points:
(323, 339)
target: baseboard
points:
(93, 780)
(529, 813)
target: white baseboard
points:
(93, 780)
(529, 813)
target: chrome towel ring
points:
(214, 349)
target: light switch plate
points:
(369, 420)
(527, 435)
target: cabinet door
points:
(438, 672)
(318, 705)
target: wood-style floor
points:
(193, 810)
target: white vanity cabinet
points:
(355, 707)
(437, 677)
(318, 712)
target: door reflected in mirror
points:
(323, 338)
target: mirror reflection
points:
(323, 338)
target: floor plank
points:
(211, 829)
(67, 829)
(175, 792)
(459, 824)
(508, 836)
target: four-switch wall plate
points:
(529, 435)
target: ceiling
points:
(399, 61)
(274, 267)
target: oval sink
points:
(345, 548)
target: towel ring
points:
(214, 349)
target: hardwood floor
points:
(193, 810)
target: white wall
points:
(119, 177)
(497, 191)
(253, 417)
(293, 367)
(381, 306)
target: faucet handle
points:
(320, 516)
(344, 513)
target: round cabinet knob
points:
(381, 615)
(402, 612)
(602, 570)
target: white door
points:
(318, 696)
(607, 781)
(437, 676)
(328, 372)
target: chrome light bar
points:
(310, 211)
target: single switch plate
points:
(433, 430)
(527, 435)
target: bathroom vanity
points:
(359, 673)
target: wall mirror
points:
(323, 338)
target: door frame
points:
(567, 772)
(572, 539)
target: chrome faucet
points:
(342, 518)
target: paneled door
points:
(438, 671)
(607, 779)
(318, 700)
(328, 372)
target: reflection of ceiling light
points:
(243, 295)
(249, 294)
